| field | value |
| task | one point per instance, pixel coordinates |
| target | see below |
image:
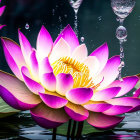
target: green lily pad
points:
(6, 110)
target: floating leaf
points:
(6, 110)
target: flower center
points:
(79, 71)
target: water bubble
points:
(121, 33)
(122, 8)
(82, 39)
(27, 26)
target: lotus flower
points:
(1, 12)
(59, 81)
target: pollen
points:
(79, 71)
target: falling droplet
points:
(121, 79)
(27, 26)
(53, 11)
(75, 4)
(65, 16)
(82, 39)
(121, 33)
(122, 64)
(119, 68)
(121, 49)
(60, 21)
(121, 55)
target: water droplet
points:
(122, 64)
(100, 18)
(27, 26)
(121, 55)
(121, 79)
(119, 68)
(65, 16)
(121, 49)
(60, 19)
(82, 39)
(53, 11)
(121, 33)
(122, 8)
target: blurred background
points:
(96, 23)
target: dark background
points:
(96, 23)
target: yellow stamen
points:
(79, 71)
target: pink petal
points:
(110, 72)
(31, 84)
(97, 106)
(69, 36)
(125, 101)
(15, 93)
(117, 110)
(137, 93)
(76, 112)
(101, 54)
(106, 94)
(126, 85)
(45, 67)
(93, 65)
(44, 43)
(2, 10)
(13, 55)
(64, 82)
(25, 47)
(15, 51)
(61, 49)
(1, 26)
(12, 64)
(134, 109)
(80, 53)
(53, 100)
(48, 80)
(34, 66)
(103, 122)
(47, 117)
(79, 95)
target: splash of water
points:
(75, 4)
(122, 8)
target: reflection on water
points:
(24, 128)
